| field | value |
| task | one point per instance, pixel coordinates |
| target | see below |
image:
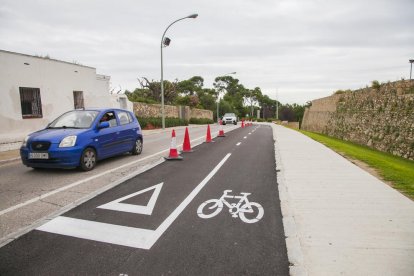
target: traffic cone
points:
(208, 137)
(173, 149)
(242, 125)
(221, 132)
(186, 144)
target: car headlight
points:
(24, 144)
(68, 141)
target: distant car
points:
(79, 138)
(229, 118)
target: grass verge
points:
(396, 170)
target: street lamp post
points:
(166, 42)
(218, 97)
(411, 68)
(251, 105)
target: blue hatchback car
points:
(79, 138)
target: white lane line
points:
(126, 236)
(244, 137)
(74, 184)
(238, 144)
(250, 133)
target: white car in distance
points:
(229, 118)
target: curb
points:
(294, 249)
(5, 161)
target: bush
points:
(201, 121)
(156, 122)
(376, 85)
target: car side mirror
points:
(103, 125)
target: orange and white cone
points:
(221, 132)
(242, 125)
(208, 136)
(186, 144)
(173, 149)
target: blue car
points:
(79, 138)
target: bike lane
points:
(189, 244)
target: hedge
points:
(201, 121)
(156, 122)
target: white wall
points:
(121, 101)
(56, 80)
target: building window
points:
(30, 102)
(78, 99)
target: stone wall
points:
(201, 113)
(381, 118)
(318, 115)
(184, 112)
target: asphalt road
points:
(27, 196)
(155, 223)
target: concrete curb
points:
(5, 161)
(293, 246)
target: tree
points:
(151, 90)
(190, 86)
(233, 93)
(251, 98)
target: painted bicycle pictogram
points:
(213, 207)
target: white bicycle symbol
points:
(244, 206)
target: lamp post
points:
(165, 43)
(218, 96)
(411, 68)
(251, 105)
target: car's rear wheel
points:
(137, 147)
(88, 159)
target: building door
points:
(78, 99)
(123, 103)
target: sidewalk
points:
(338, 219)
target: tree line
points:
(234, 98)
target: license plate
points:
(38, 155)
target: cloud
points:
(303, 49)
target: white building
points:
(35, 90)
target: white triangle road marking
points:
(116, 205)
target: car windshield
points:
(75, 119)
(229, 115)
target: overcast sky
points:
(294, 50)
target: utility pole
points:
(277, 110)
(277, 105)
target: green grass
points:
(397, 170)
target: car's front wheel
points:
(88, 159)
(137, 147)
